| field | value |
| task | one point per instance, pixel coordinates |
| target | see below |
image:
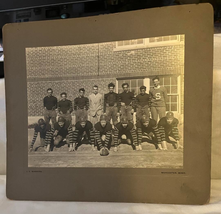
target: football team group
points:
(108, 121)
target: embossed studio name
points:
(173, 173)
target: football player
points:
(103, 135)
(169, 131)
(83, 131)
(147, 131)
(158, 98)
(124, 131)
(63, 133)
(45, 135)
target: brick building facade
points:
(68, 68)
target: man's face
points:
(95, 90)
(125, 88)
(81, 93)
(111, 89)
(142, 91)
(124, 125)
(61, 124)
(103, 123)
(146, 123)
(156, 82)
(50, 93)
(63, 97)
(169, 120)
(83, 124)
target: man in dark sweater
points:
(81, 105)
(169, 131)
(63, 132)
(103, 134)
(65, 107)
(111, 104)
(142, 101)
(124, 131)
(50, 104)
(126, 99)
(147, 131)
(45, 135)
(83, 131)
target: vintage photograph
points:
(116, 104)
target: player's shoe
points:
(140, 147)
(30, 149)
(47, 148)
(70, 148)
(115, 149)
(137, 148)
(93, 148)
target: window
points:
(134, 85)
(172, 86)
(148, 42)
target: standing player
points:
(95, 105)
(147, 131)
(124, 131)
(142, 102)
(103, 135)
(65, 107)
(111, 104)
(50, 104)
(169, 131)
(158, 98)
(83, 131)
(81, 105)
(126, 99)
(63, 133)
(45, 135)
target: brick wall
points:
(68, 68)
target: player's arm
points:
(105, 102)
(87, 104)
(33, 140)
(139, 135)
(44, 103)
(134, 136)
(70, 107)
(165, 95)
(70, 133)
(75, 104)
(116, 135)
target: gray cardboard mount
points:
(190, 185)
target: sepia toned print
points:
(114, 104)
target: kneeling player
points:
(147, 131)
(103, 135)
(169, 131)
(83, 131)
(63, 132)
(124, 131)
(45, 135)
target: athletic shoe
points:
(93, 148)
(140, 147)
(47, 148)
(137, 148)
(115, 149)
(70, 148)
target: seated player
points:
(45, 135)
(147, 131)
(63, 133)
(83, 131)
(124, 131)
(169, 131)
(103, 135)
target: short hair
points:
(64, 94)
(81, 89)
(111, 85)
(143, 87)
(49, 89)
(156, 78)
(95, 86)
(125, 84)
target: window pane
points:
(140, 82)
(167, 107)
(174, 98)
(173, 80)
(140, 41)
(165, 38)
(133, 42)
(168, 89)
(166, 80)
(152, 39)
(127, 42)
(133, 83)
(173, 107)
(120, 43)
(159, 39)
(173, 89)
(173, 37)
